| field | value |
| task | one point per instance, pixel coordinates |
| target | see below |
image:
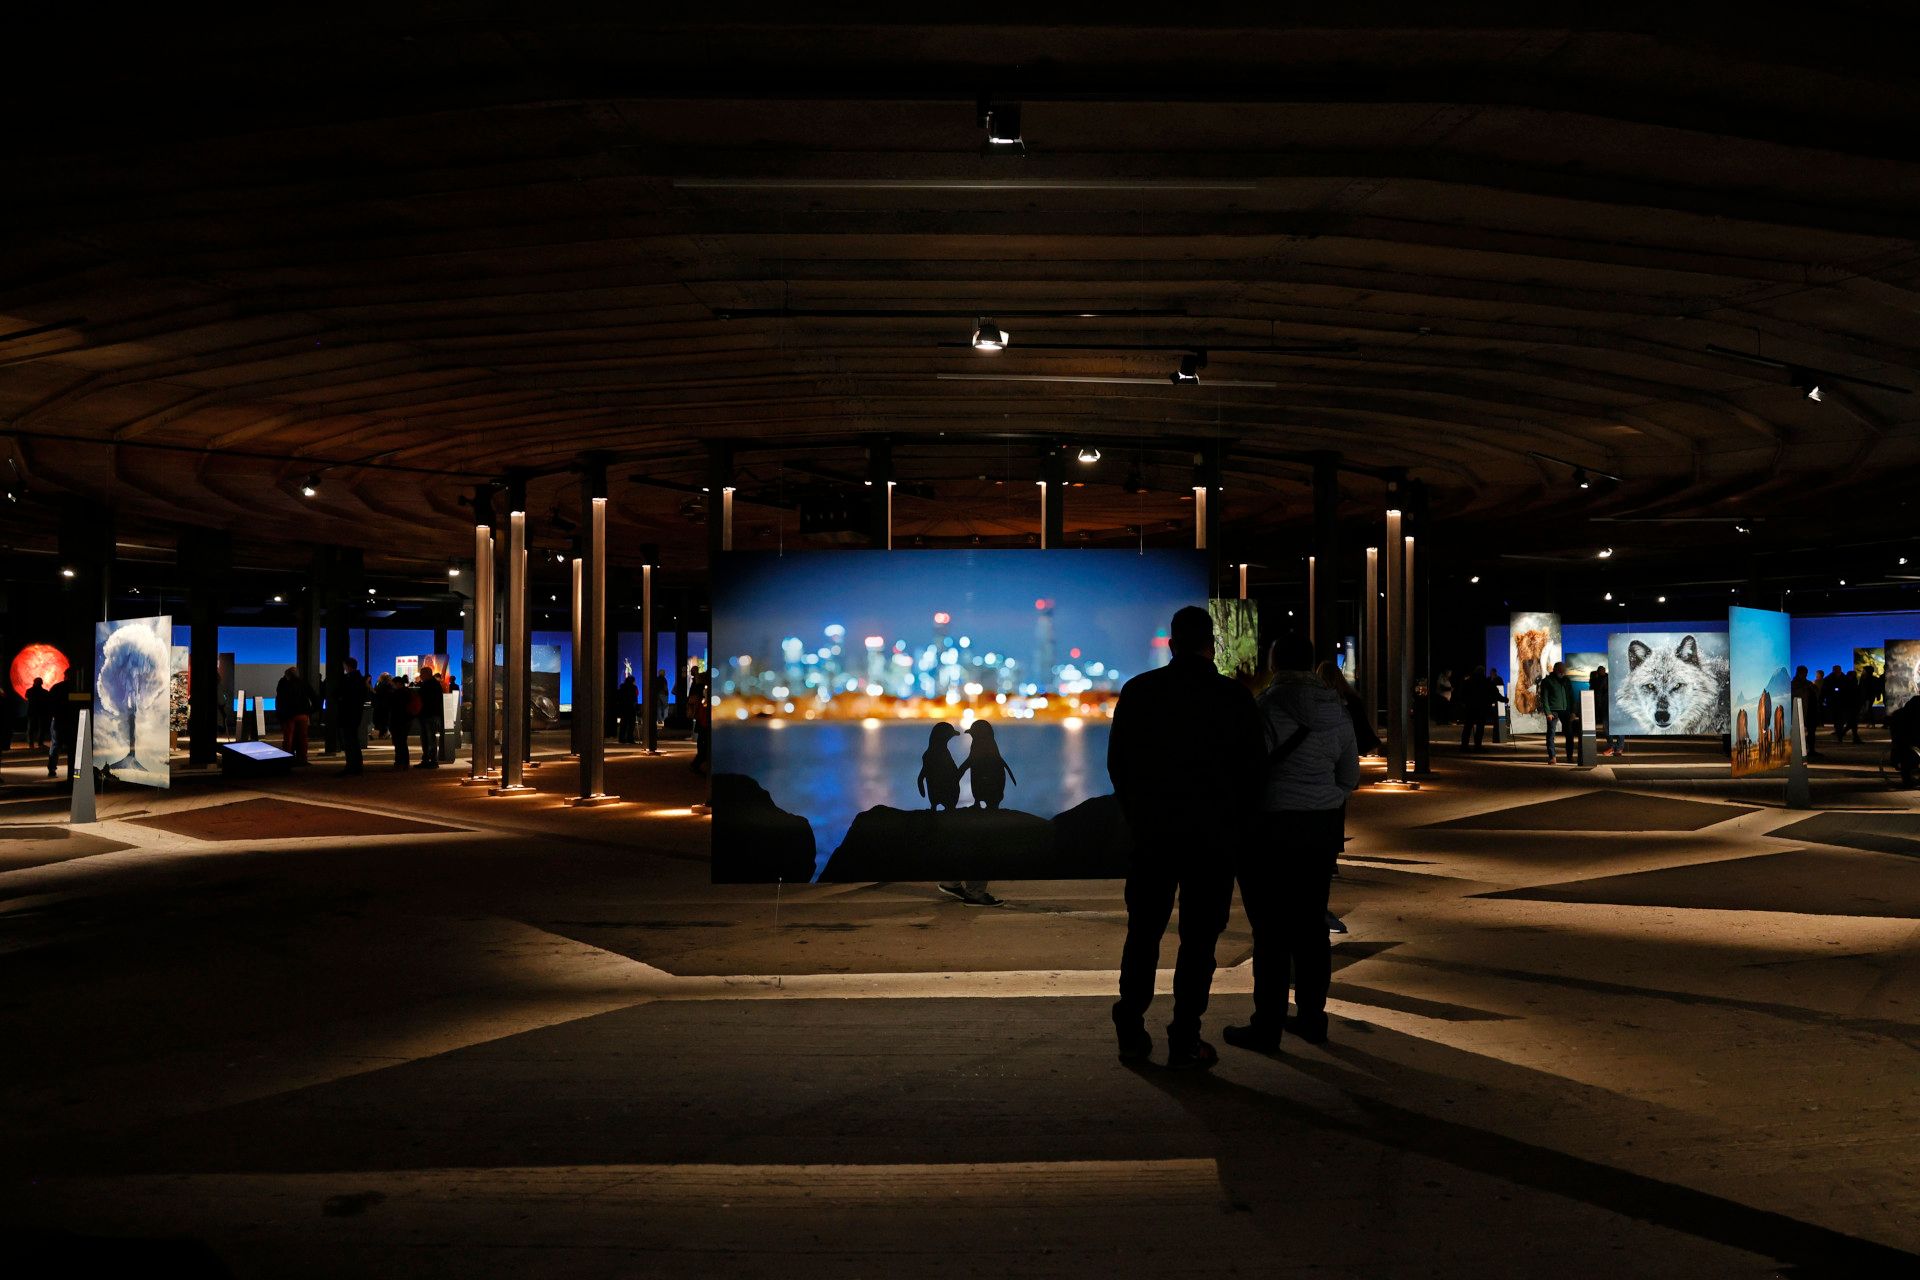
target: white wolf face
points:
(1676, 690)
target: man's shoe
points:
(1314, 1032)
(1195, 1055)
(984, 899)
(1136, 1043)
(1335, 924)
(1251, 1038)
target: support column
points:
(1398, 671)
(1323, 609)
(480, 685)
(513, 743)
(1313, 601)
(207, 556)
(1053, 499)
(593, 580)
(880, 492)
(307, 630)
(577, 720)
(1370, 642)
(1419, 720)
(650, 660)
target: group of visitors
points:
(53, 722)
(1219, 786)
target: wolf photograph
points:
(1664, 683)
(1532, 649)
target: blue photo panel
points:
(919, 715)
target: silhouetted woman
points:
(990, 771)
(939, 779)
(1355, 707)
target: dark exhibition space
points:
(870, 641)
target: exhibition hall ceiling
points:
(414, 256)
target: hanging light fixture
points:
(1089, 454)
(988, 336)
(310, 487)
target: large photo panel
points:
(1533, 646)
(1760, 651)
(1667, 683)
(133, 685)
(922, 715)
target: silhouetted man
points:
(1184, 754)
(400, 715)
(39, 713)
(627, 708)
(347, 706)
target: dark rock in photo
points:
(1092, 839)
(969, 844)
(755, 841)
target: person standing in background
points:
(1602, 685)
(627, 709)
(661, 693)
(347, 706)
(400, 712)
(382, 705)
(433, 719)
(1556, 700)
(294, 702)
(39, 717)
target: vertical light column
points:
(1199, 517)
(480, 689)
(579, 655)
(726, 518)
(1395, 653)
(1370, 643)
(1243, 580)
(1407, 640)
(513, 741)
(1043, 513)
(1313, 607)
(650, 657)
(889, 515)
(593, 734)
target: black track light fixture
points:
(1001, 120)
(1089, 453)
(310, 487)
(1809, 385)
(988, 336)
(1190, 366)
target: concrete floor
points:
(1655, 1026)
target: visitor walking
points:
(1184, 755)
(1556, 701)
(403, 704)
(627, 708)
(63, 728)
(1284, 868)
(1467, 693)
(39, 713)
(433, 716)
(347, 706)
(294, 702)
(1806, 697)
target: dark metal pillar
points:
(207, 557)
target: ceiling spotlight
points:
(1189, 370)
(279, 599)
(988, 336)
(1580, 478)
(66, 573)
(1903, 559)
(1740, 528)
(1001, 120)
(1089, 454)
(453, 571)
(559, 557)
(1607, 596)
(310, 487)
(1606, 553)
(369, 590)
(1843, 582)
(1475, 579)
(1662, 600)
(1809, 385)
